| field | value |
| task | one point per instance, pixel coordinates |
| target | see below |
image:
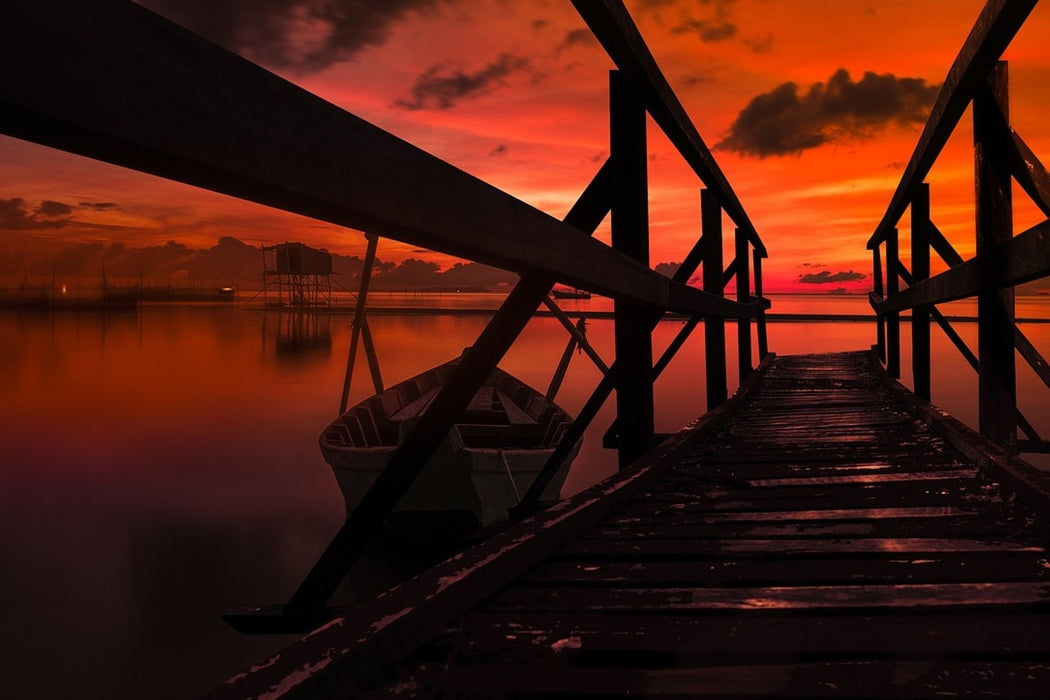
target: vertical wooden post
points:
(630, 234)
(893, 319)
(763, 343)
(997, 383)
(743, 294)
(920, 270)
(714, 328)
(880, 291)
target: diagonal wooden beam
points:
(613, 27)
(1024, 257)
(1031, 174)
(139, 91)
(991, 34)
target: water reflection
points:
(297, 336)
(161, 468)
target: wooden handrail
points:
(142, 92)
(615, 30)
(995, 27)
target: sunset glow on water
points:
(162, 468)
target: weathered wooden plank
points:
(855, 598)
(926, 568)
(786, 547)
(761, 636)
(866, 678)
(991, 34)
(1023, 258)
(840, 514)
(865, 478)
(143, 93)
(613, 27)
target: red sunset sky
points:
(516, 93)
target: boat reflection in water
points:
(490, 457)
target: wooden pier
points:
(826, 533)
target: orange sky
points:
(518, 99)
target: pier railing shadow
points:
(979, 78)
(144, 93)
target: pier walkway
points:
(815, 537)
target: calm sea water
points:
(161, 468)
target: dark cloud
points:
(667, 269)
(826, 277)
(759, 44)
(15, 217)
(51, 209)
(440, 88)
(577, 37)
(784, 121)
(709, 30)
(500, 150)
(98, 206)
(299, 35)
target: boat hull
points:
(489, 459)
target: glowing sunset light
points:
(812, 110)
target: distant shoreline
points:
(606, 314)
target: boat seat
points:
(515, 415)
(415, 408)
(488, 435)
(482, 401)
(353, 427)
(368, 427)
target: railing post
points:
(880, 291)
(714, 328)
(760, 325)
(893, 319)
(920, 270)
(630, 235)
(743, 295)
(997, 388)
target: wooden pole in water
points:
(630, 235)
(997, 383)
(359, 320)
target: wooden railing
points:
(141, 92)
(1003, 260)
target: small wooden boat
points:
(560, 293)
(490, 458)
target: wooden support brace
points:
(576, 331)
(1031, 174)
(714, 328)
(920, 270)
(415, 450)
(893, 318)
(997, 383)
(763, 342)
(630, 235)
(359, 320)
(743, 293)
